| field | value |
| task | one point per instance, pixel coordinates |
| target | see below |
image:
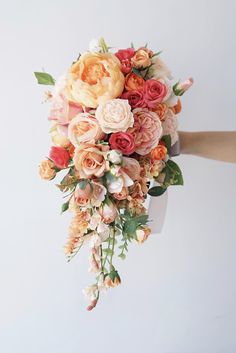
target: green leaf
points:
(157, 191)
(137, 72)
(65, 207)
(156, 54)
(107, 251)
(44, 78)
(167, 141)
(176, 173)
(131, 225)
(122, 256)
(82, 184)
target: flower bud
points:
(112, 279)
(108, 211)
(114, 157)
(142, 234)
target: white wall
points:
(178, 292)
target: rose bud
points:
(47, 170)
(112, 280)
(114, 157)
(60, 156)
(142, 234)
(108, 211)
(180, 88)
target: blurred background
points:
(178, 291)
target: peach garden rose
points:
(84, 128)
(90, 160)
(95, 78)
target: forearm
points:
(218, 145)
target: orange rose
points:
(90, 160)
(177, 108)
(159, 152)
(133, 82)
(161, 110)
(141, 59)
(46, 170)
(95, 78)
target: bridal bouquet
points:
(114, 122)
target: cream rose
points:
(84, 128)
(90, 160)
(114, 115)
(95, 78)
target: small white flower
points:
(114, 157)
(94, 45)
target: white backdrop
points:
(178, 292)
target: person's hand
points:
(217, 145)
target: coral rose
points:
(147, 130)
(154, 93)
(84, 128)
(46, 170)
(90, 160)
(135, 98)
(95, 78)
(141, 59)
(114, 116)
(159, 152)
(60, 156)
(123, 142)
(133, 82)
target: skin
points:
(217, 145)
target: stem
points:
(113, 245)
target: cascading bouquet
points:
(113, 126)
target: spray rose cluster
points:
(114, 123)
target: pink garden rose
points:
(84, 128)
(154, 93)
(135, 98)
(63, 111)
(147, 130)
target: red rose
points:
(125, 55)
(135, 98)
(122, 141)
(154, 93)
(60, 156)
